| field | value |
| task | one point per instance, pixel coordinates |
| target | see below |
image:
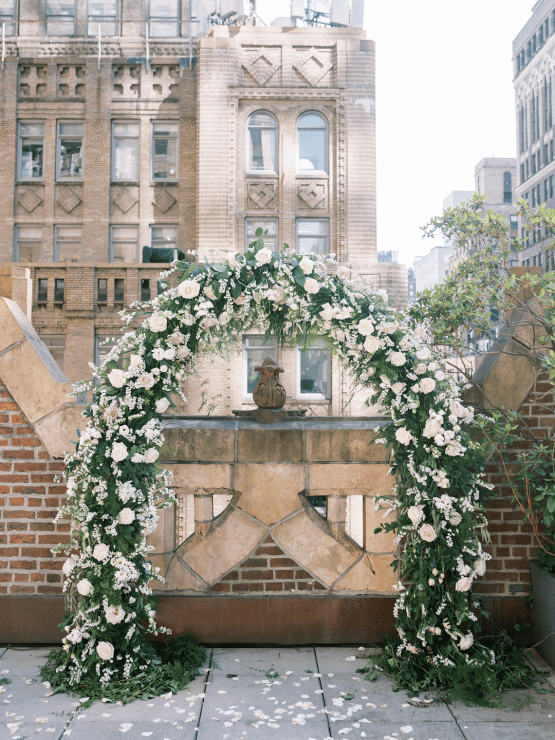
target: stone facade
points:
(206, 88)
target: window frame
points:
(263, 220)
(73, 137)
(103, 19)
(299, 395)
(317, 173)
(8, 20)
(159, 19)
(60, 19)
(17, 250)
(271, 345)
(249, 170)
(45, 337)
(111, 253)
(153, 137)
(56, 254)
(164, 226)
(300, 219)
(20, 138)
(126, 137)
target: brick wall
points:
(512, 542)
(29, 501)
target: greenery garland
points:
(115, 484)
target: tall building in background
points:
(534, 62)
(134, 131)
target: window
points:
(164, 151)
(551, 186)
(313, 371)
(42, 291)
(124, 243)
(57, 345)
(67, 243)
(59, 289)
(103, 13)
(162, 286)
(261, 146)
(103, 344)
(312, 143)
(125, 150)
(163, 240)
(546, 190)
(522, 178)
(513, 221)
(7, 13)
(255, 349)
(69, 162)
(102, 290)
(164, 18)
(270, 239)
(119, 290)
(60, 17)
(145, 290)
(31, 150)
(28, 244)
(507, 188)
(540, 259)
(539, 193)
(313, 236)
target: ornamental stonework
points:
(29, 200)
(261, 65)
(126, 80)
(68, 200)
(262, 194)
(312, 194)
(124, 200)
(33, 80)
(313, 67)
(71, 80)
(162, 81)
(163, 200)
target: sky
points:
(444, 101)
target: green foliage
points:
(271, 673)
(172, 666)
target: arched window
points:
(312, 134)
(507, 188)
(261, 135)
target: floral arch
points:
(115, 484)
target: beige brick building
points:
(153, 138)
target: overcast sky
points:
(444, 101)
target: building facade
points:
(130, 146)
(533, 62)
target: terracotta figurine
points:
(269, 392)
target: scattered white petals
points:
(42, 720)
(351, 657)
(125, 726)
(406, 729)
(146, 734)
(106, 714)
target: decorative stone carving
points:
(68, 200)
(29, 200)
(32, 80)
(163, 200)
(313, 194)
(124, 200)
(262, 193)
(127, 80)
(262, 64)
(269, 392)
(161, 81)
(71, 82)
(313, 65)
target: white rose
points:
(101, 551)
(412, 649)
(138, 458)
(162, 405)
(466, 642)
(455, 518)
(439, 375)
(75, 635)
(416, 513)
(135, 361)
(463, 584)
(431, 582)
(208, 323)
(145, 380)
(105, 650)
(311, 285)
(427, 385)
(209, 293)
(169, 354)
(432, 427)
(457, 409)
(126, 516)
(365, 327)
(339, 334)
(328, 312)
(480, 567)
(306, 265)
(151, 455)
(68, 566)
(439, 440)
(188, 289)
(184, 351)
(403, 436)
(116, 378)
(398, 388)
(420, 368)
(423, 354)
(224, 318)
(398, 359)
(343, 273)
(119, 451)
(114, 614)
(452, 450)
(158, 353)
(85, 587)
(177, 338)
(157, 322)
(263, 256)
(232, 260)
(427, 532)
(390, 327)
(240, 300)
(371, 344)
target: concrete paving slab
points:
(278, 731)
(2, 651)
(341, 660)
(518, 706)
(23, 662)
(507, 731)
(90, 730)
(248, 661)
(414, 730)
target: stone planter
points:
(543, 593)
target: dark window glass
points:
(162, 286)
(119, 290)
(145, 290)
(507, 187)
(102, 290)
(59, 290)
(42, 296)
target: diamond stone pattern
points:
(125, 200)
(29, 200)
(163, 200)
(261, 194)
(313, 67)
(312, 194)
(261, 67)
(68, 200)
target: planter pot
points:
(543, 594)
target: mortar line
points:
(206, 675)
(463, 733)
(323, 694)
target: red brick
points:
(53, 578)
(29, 467)
(282, 563)
(302, 574)
(9, 552)
(5, 467)
(23, 539)
(25, 442)
(257, 575)
(15, 478)
(21, 577)
(37, 577)
(284, 574)
(7, 406)
(255, 563)
(52, 539)
(57, 466)
(253, 587)
(36, 552)
(21, 526)
(44, 478)
(273, 586)
(19, 454)
(268, 550)
(221, 588)
(17, 419)
(233, 576)
(17, 501)
(22, 589)
(23, 564)
(5, 577)
(17, 514)
(42, 526)
(49, 589)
